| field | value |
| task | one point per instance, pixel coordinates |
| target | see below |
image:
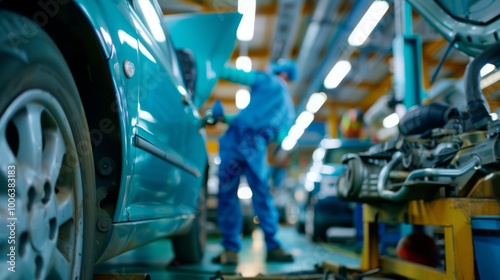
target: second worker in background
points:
(243, 150)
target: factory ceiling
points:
(315, 34)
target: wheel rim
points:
(35, 138)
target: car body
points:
(322, 207)
(104, 138)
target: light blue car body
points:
(163, 152)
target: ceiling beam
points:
(492, 88)
(252, 53)
(363, 85)
(308, 7)
(267, 9)
(335, 104)
(375, 94)
(261, 53)
(430, 48)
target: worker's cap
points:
(285, 65)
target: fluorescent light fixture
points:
(330, 143)
(367, 23)
(242, 98)
(288, 143)
(318, 154)
(313, 177)
(309, 185)
(315, 102)
(487, 69)
(152, 20)
(304, 119)
(247, 23)
(296, 131)
(316, 166)
(391, 121)
(494, 116)
(245, 192)
(337, 74)
(326, 169)
(244, 63)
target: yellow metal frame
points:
(453, 214)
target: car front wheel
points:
(47, 187)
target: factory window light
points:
(247, 23)
(242, 98)
(315, 102)
(337, 74)
(367, 23)
(244, 63)
(391, 121)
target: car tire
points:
(189, 248)
(46, 167)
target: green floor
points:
(153, 258)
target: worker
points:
(243, 151)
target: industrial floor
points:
(154, 258)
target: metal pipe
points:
(476, 102)
(402, 193)
(474, 162)
(384, 175)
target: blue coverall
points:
(243, 150)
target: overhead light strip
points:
(247, 24)
(337, 74)
(315, 102)
(367, 23)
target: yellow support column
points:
(370, 255)
(453, 214)
(212, 147)
(333, 122)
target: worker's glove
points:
(208, 119)
(212, 116)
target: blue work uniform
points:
(243, 150)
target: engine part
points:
(422, 119)
(359, 181)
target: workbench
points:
(453, 214)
